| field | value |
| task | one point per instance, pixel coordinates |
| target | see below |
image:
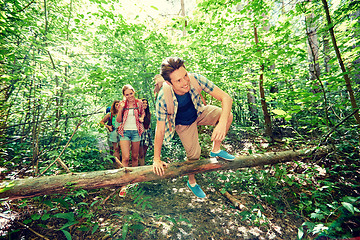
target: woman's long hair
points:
(113, 109)
(147, 118)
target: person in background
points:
(130, 117)
(146, 136)
(111, 147)
(189, 112)
(109, 121)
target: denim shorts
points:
(131, 135)
(114, 136)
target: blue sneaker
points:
(223, 154)
(197, 190)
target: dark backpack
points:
(109, 122)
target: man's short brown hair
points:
(169, 65)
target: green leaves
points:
(5, 185)
(349, 207)
(139, 199)
(69, 216)
(67, 234)
(77, 60)
(348, 203)
(282, 113)
(317, 215)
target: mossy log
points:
(31, 187)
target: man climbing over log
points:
(188, 112)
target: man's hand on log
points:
(159, 167)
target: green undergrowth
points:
(322, 193)
(80, 215)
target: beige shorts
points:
(189, 133)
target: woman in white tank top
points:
(131, 117)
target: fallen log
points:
(31, 187)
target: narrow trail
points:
(176, 213)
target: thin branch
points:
(26, 6)
(87, 54)
(337, 125)
(341, 63)
(84, 115)
(317, 73)
(120, 163)
(236, 202)
(58, 158)
(32, 230)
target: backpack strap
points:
(159, 80)
(109, 121)
(168, 98)
(194, 82)
(161, 83)
(169, 101)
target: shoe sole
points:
(217, 157)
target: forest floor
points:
(175, 213)
(154, 210)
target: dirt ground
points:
(184, 216)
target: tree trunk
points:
(313, 47)
(183, 15)
(326, 50)
(251, 100)
(355, 71)
(267, 118)
(66, 183)
(341, 63)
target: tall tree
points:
(267, 118)
(341, 63)
(313, 45)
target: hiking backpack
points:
(109, 122)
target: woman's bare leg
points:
(142, 155)
(116, 154)
(135, 153)
(125, 152)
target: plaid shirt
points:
(138, 111)
(161, 110)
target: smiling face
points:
(129, 94)
(180, 81)
(145, 103)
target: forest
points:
(292, 69)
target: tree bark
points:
(313, 46)
(341, 63)
(267, 118)
(66, 183)
(183, 15)
(251, 100)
